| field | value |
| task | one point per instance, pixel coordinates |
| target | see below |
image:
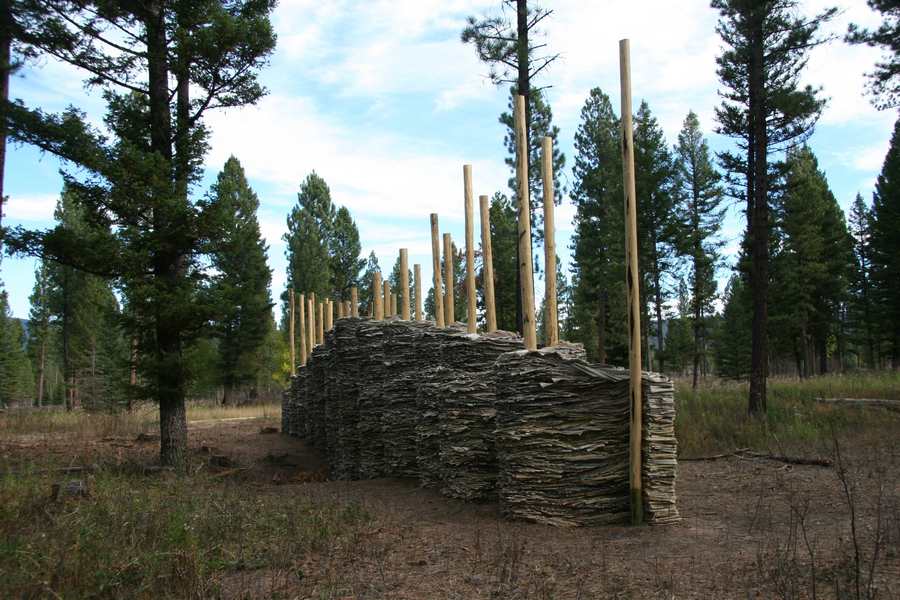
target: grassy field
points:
(210, 533)
(714, 419)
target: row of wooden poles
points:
(317, 317)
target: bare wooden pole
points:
(551, 318)
(632, 281)
(436, 265)
(291, 333)
(417, 277)
(329, 314)
(311, 322)
(340, 309)
(388, 306)
(449, 309)
(320, 322)
(471, 318)
(302, 312)
(488, 257)
(314, 339)
(354, 302)
(404, 284)
(377, 303)
(524, 199)
(394, 312)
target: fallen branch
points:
(747, 453)
(862, 402)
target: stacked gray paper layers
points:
(467, 458)
(341, 410)
(370, 400)
(315, 397)
(402, 364)
(659, 448)
(562, 438)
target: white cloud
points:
(31, 208)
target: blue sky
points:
(381, 99)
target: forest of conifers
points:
(148, 287)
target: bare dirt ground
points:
(751, 528)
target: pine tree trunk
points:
(41, 362)
(697, 316)
(759, 224)
(227, 391)
(523, 88)
(5, 57)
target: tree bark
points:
(523, 89)
(759, 223)
(5, 68)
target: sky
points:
(382, 100)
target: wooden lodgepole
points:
(551, 318)
(354, 302)
(449, 309)
(377, 304)
(632, 281)
(311, 322)
(404, 284)
(302, 312)
(524, 199)
(329, 314)
(417, 276)
(388, 305)
(487, 257)
(291, 333)
(340, 309)
(471, 317)
(436, 266)
(320, 323)
(394, 312)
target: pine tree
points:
(862, 313)
(732, 344)
(366, 293)
(240, 287)
(504, 236)
(765, 110)
(16, 378)
(309, 237)
(658, 227)
(884, 81)
(810, 265)
(345, 250)
(138, 176)
(886, 247)
(598, 271)
(699, 197)
(40, 338)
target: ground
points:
(751, 527)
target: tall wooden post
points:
(551, 318)
(388, 305)
(291, 333)
(354, 302)
(449, 309)
(312, 319)
(340, 309)
(311, 322)
(436, 265)
(404, 284)
(632, 281)
(417, 277)
(377, 302)
(394, 312)
(302, 306)
(487, 257)
(329, 314)
(524, 199)
(471, 318)
(320, 323)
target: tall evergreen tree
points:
(658, 226)
(240, 286)
(504, 237)
(862, 313)
(178, 60)
(886, 247)
(811, 265)
(884, 81)
(598, 271)
(732, 344)
(765, 110)
(366, 293)
(40, 338)
(699, 196)
(345, 250)
(309, 238)
(16, 379)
